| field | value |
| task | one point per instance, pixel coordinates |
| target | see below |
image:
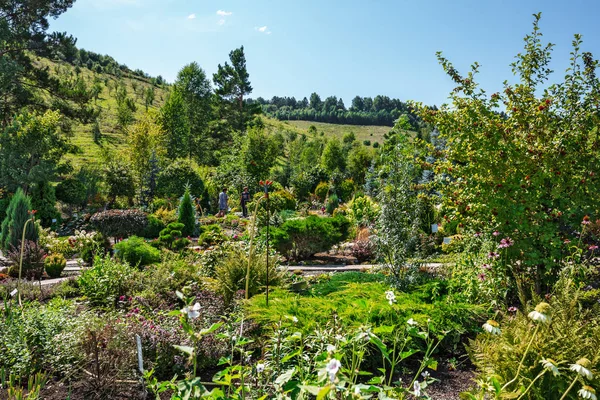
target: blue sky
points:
(333, 47)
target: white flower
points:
(550, 365)
(582, 367)
(540, 313)
(333, 366)
(587, 392)
(390, 296)
(417, 389)
(412, 322)
(492, 327)
(260, 368)
(193, 312)
(331, 348)
(364, 334)
(425, 375)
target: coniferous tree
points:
(43, 199)
(16, 216)
(187, 214)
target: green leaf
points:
(323, 392)
(185, 349)
(286, 376)
(212, 328)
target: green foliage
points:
(71, 191)
(279, 200)
(333, 202)
(16, 216)
(33, 261)
(106, 281)
(155, 225)
(170, 237)
(359, 161)
(176, 176)
(259, 153)
(326, 285)
(31, 136)
(231, 270)
(322, 191)
(345, 189)
(135, 251)
(120, 223)
(363, 303)
(367, 142)
(301, 238)
(513, 358)
(54, 264)
(531, 171)
(362, 211)
(333, 157)
(187, 214)
(40, 338)
(174, 121)
(119, 179)
(211, 235)
(43, 200)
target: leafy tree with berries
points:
(524, 162)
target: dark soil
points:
(451, 384)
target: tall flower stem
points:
(531, 384)
(522, 359)
(250, 254)
(21, 259)
(564, 396)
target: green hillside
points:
(372, 133)
(112, 138)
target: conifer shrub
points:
(170, 237)
(187, 214)
(322, 190)
(71, 191)
(301, 238)
(54, 264)
(43, 199)
(16, 216)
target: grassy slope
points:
(372, 133)
(112, 138)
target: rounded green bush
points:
(136, 251)
(54, 265)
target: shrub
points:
(173, 179)
(333, 202)
(170, 237)
(345, 189)
(301, 238)
(367, 142)
(33, 260)
(513, 358)
(43, 200)
(71, 191)
(54, 264)
(12, 226)
(278, 201)
(322, 191)
(375, 145)
(106, 281)
(155, 225)
(211, 235)
(231, 270)
(135, 251)
(362, 211)
(120, 223)
(363, 250)
(40, 338)
(187, 214)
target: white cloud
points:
(224, 13)
(263, 29)
(221, 22)
(192, 16)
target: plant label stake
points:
(266, 185)
(138, 340)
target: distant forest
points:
(381, 110)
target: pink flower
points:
(593, 247)
(586, 220)
(493, 254)
(481, 277)
(496, 233)
(567, 241)
(512, 309)
(486, 266)
(122, 298)
(477, 234)
(506, 243)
